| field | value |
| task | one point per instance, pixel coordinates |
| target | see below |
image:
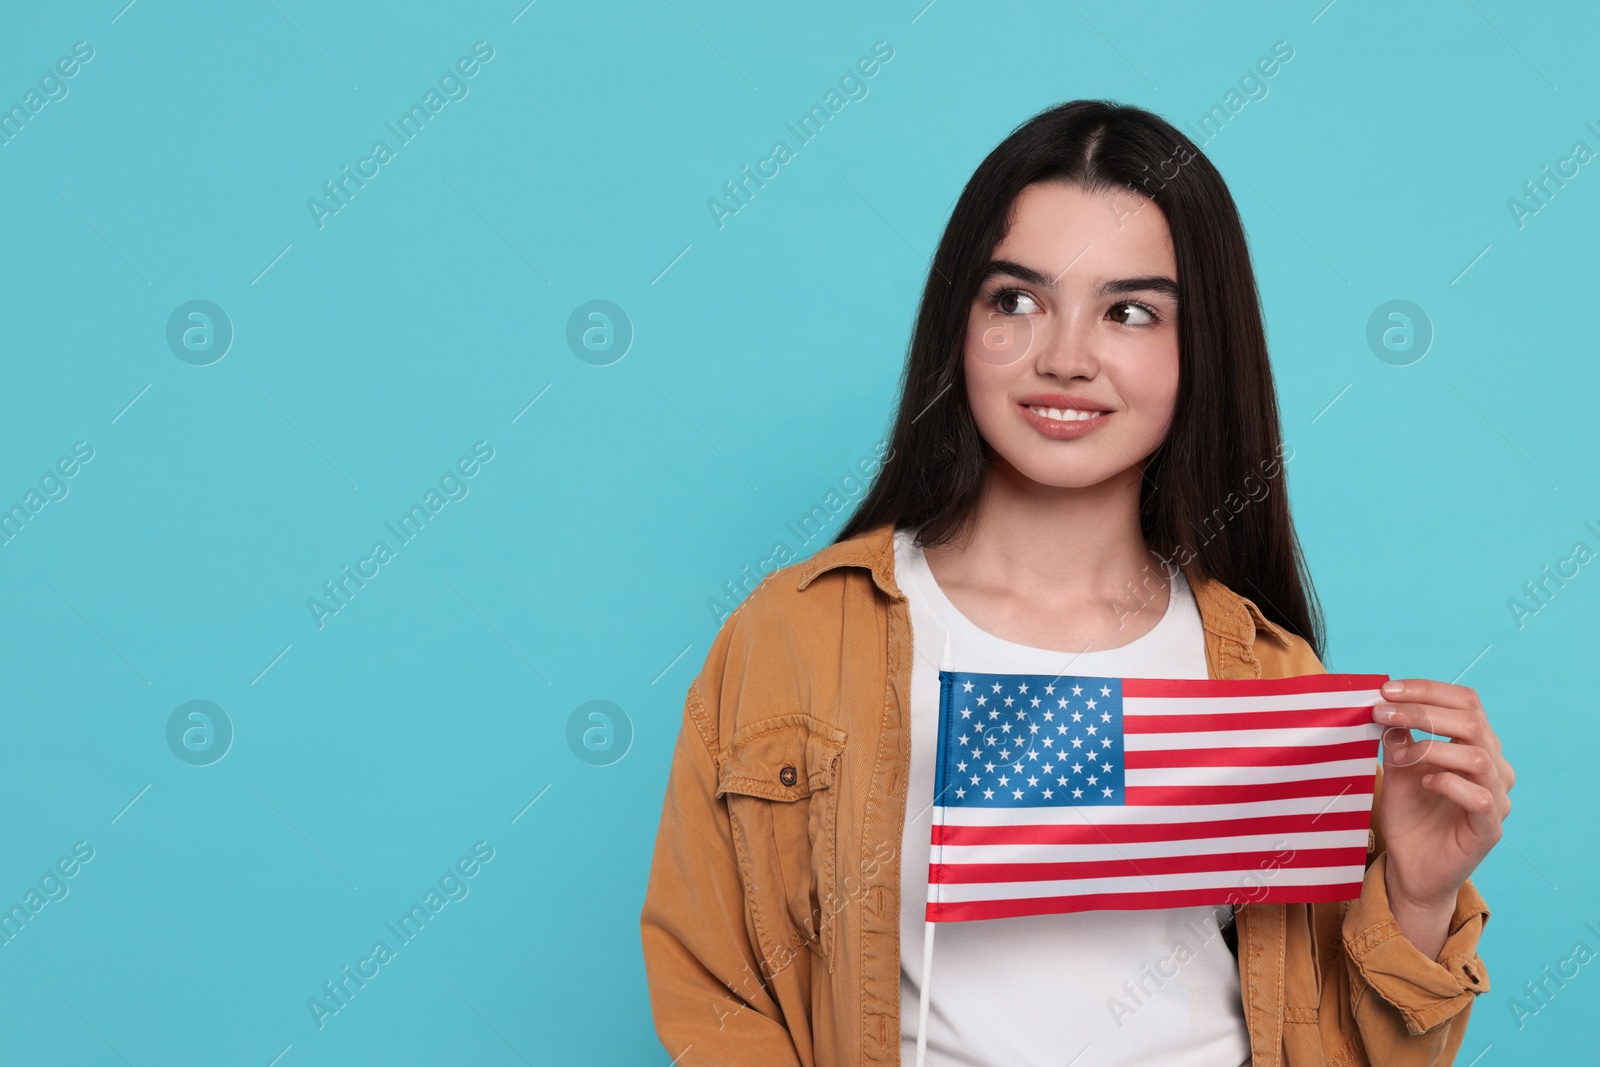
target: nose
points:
(1064, 347)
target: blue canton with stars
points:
(1029, 741)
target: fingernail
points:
(1384, 712)
(1393, 688)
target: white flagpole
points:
(946, 663)
(922, 996)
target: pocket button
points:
(787, 776)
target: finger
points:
(1470, 761)
(1401, 749)
(1455, 723)
(1469, 795)
(1427, 691)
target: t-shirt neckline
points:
(971, 633)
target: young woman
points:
(1087, 479)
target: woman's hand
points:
(1443, 802)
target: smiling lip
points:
(1058, 429)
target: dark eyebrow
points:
(1153, 284)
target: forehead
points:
(1101, 235)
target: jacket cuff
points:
(1426, 992)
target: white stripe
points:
(1287, 737)
(1136, 850)
(1295, 772)
(1355, 800)
(1359, 698)
(1219, 880)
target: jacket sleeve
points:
(707, 995)
(1411, 1011)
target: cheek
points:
(1149, 384)
(988, 388)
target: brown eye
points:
(1131, 314)
(1013, 302)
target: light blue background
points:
(432, 310)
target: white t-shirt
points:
(1090, 989)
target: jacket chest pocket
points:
(777, 777)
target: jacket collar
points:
(1222, 611)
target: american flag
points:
(1065, 794)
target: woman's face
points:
(1072, 341)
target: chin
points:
(1055, 473)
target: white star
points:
(1048, 742)
(1105, 742)
(974, 779)
(1017, 766)
(977, 752)
(1008, 702)
(1105, 716)
(1049, 768)
(1104, 691)
(1005, 728)
(1077, 792)
(1004, 780)
(1035, 702)
(1032, 780)
(1090, 703)
(961, 766)
(1021, 714)
(966, 687)
(1061, 729)
(1049, 689)
(966, 713)
(1047, 794)
(1091, 730)
(1017, 793)
(1005, 753)
(1077, 690)
(1023, 688)
(1049, 715)
(982, 700)
(964, 740)
(988, 794)
(1093, 779)
(988, 768)
(988, 739)
(1077, 742)
(1061, 781)
(997, 687)
(1108, 790)
(1106, 767)
(960, 793)
(1076, 767)
(1077, 716)
(1033, 753)
(1033, 727)
(1061, 702)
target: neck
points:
(1077, 541)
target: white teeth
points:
(1064, 414)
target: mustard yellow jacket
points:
(771, 922)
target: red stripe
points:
(968, 873)
(1248, 791)
(1256, 687)
(1263, 756)
(1078, 834)
(1172, 898)
(1139, 723)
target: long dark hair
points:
(1197, 506)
